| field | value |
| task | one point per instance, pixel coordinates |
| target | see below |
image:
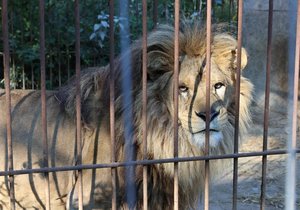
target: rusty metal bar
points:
(43, 99)
(294, 50)
(6, 58)
(207, 111)
(176, 73)
(237, 104)
(144, 120)
(145, 162)
(78, 103)
(267, 104)
(112, 104)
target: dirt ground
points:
(250, 169)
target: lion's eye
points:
(220, 89)
(183, 88)
(218, 85)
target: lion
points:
(96, 140)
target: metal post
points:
(237, 104)
(144, 119)
(78, 104)
(111, 102)
(176, 73)
(126, 66)
(207, 111)
(43, 99)
(294, 54)
(6, 58)
(267, 105)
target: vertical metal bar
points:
(112, 104)
(237, 104)
(155, 13)
(144, 120)
(207, 121)
(294, 49)
(6, 58)
(267, 104)
(43, 99)
(78, 103)
(176, 73)
(126, 66)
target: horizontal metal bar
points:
(145, 162)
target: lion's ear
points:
(224, 52)
(244, 58)
(159, 63)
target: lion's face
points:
(192, 100)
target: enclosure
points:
(46, 44)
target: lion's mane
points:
(160, 135)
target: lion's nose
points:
(213, 114)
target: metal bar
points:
(146, 162)
(176, 73)
(112, 104)
(267, 104)
(126, 72)
(144, 120)
(78, 103)
(294, 49)
(6, 58)
(237, 104)
(207, 111)
(43, 99)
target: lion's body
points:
(28, 149)
(97, 188)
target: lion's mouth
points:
(215, 136)
(204, 130)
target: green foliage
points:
(94, 24)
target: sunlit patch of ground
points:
(250, 170)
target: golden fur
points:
(97, 187)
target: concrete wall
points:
(255, 30)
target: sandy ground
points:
(250, 170)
